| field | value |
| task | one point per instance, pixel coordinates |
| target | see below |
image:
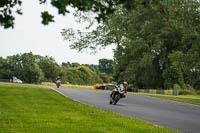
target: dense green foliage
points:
(162, 48)
(88, 74)
(34, 69)
(158, 43)
(22, 66)
(106, 78)
(82, 75)
(49, 67)
(106, 66)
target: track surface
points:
(170, 114)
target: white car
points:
(19, 81)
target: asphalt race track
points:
(166, 113)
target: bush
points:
(105, 77)
(185, 92)
(172, 76)
(31, 73)
(190, 91)
(198, 92)
(82, 75)
(177, 87)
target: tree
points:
(105, 77)
(157, 43)
(24, 67)
(160, 42)
(94, 68)
(35, 69)
(75, 64)
(95, 40)
(66, 65)
(49, 67)
(106, 66)
(101, 7)
(82, 75)
(5, 72)
(32, 73)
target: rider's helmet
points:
(58, 78)
(125, 83)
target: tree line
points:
(157, 43)
(32, 68)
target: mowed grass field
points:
(25, 109)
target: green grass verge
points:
(25, 109)
(192, 99)
(85, 87)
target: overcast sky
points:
(29, 35)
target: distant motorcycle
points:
(58, 82)
(117, 93)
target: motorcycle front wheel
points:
(117, 97)
(110, 102)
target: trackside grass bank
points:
(87, 87)
(25, 109)
(192, 99)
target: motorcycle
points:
(117, 93)
(58, 82)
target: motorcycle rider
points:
(58, 81)
(120, 88)
(58, 78)
(125, 86)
